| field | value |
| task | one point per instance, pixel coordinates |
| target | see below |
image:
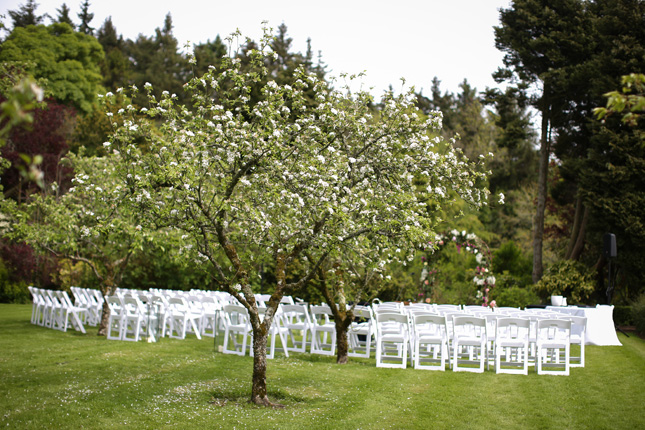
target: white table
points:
(600, 323)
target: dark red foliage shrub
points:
(47, 136)
(24, 264)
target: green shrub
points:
(12, 291)
(638, 314)
(510, 260)
(567, 278)
(510, 291)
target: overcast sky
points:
(388, 39)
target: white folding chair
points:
(179, 317)
(134, 318)
(578, 337)
(392, 339)
(296, 320)
(430, 342)
(491, 333)
(210, 314)
(323, 330)
(95, 305)
(71, 314)
(58, 314)
(38, 306)
(115, 321)
(553, 346)
(468, 343)
(511, 346)
(237, 329)
(360, 332)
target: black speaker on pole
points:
(610, 251)
(609, 245)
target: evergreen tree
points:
(543, 42)
(209, 54)
(63, 16)
(515, 162)
(26, 15)
(157, 60)
(86, 17)
(115, 67)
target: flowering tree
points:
(280, 179)
(87, 224)
(470, 243)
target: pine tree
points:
(157, 60)
(209, 54)
(63, 16)
(86, 17)
(26, 15)
(543, 41)
(115, 67)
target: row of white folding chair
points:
(133, 310)
(552, 345)
(318, 320)
(298, 324)
(130, 319)
(91, 300)
(179, 319)
(577, 332)
(471, 332)
(54, 309)
(187, 312)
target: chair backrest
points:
(177, 304)
(388, 307)
(470, 326)
(295, 314)
(427, 324)
(132, 306)
(236, 315)
(554, 329)
(512, 328)
(454, 308)
(364, 312)
(287, 300)
(392, 323)
(262, 300)
(320, 314)
(210, 303)
(578, 325)
(115, 304)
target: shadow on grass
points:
(235, 398)
(322, 359)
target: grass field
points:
(55, 380)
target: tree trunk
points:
(580, 241)
(342, 344)
(575, 229)
(259, 388)
(105, 319)
(538, 221)
(107, 289)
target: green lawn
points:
(50, 379)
